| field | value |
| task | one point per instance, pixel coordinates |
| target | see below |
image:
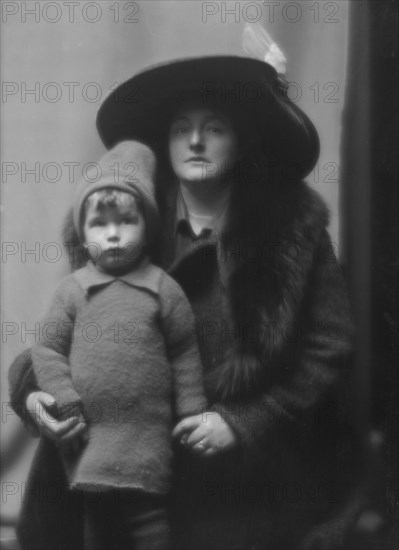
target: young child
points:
(120, 350)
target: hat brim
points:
(138, 107)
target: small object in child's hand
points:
(75, 445)
(69, 410)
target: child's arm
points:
(50, 355)
(205, 433)
(178, 327)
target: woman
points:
(246, 239)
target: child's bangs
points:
(112, 198)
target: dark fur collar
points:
(265, 258)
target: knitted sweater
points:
(124, 352)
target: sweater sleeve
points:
(50, 356)
(22, 382)
(312, 370)
(178, 327)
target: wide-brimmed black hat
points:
(138, 108)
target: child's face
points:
(114, 235)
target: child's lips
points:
(111, 252)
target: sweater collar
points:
(145, 276)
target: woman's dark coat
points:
(275, 337)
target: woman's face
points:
(202, 145)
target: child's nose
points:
(113, 232)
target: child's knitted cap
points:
(129, 167)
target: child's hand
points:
(205, 434)
(43, 411)
(75, 444)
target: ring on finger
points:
(201, 445)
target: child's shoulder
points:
(157, 275)
(67, 293)
(68, 284)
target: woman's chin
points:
(201, 180)
(195, 175)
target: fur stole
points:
(267, 252)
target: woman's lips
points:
(197, 159)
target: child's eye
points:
(97, 223)
(129, 221)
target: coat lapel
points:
(205, 248)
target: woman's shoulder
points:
(310, 209)
(306, 226)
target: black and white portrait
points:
(199, 275)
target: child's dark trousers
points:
(125, 519)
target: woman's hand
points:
(205, 433)
(38, 404)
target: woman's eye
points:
(214, 129)
(180, 129)
(97, 223)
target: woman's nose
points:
(196, 138)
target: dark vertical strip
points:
(385, 239)
(370, 223)
(356, 201)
